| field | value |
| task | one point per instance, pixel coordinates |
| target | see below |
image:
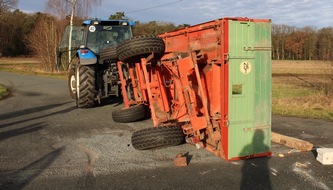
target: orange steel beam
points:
(202, 94)
(123, 85)
(149, 92)
(134, 84)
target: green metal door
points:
(249, 88)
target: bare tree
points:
(71, 8)
(42, 40)
(325, 43)
(310, 43)
(279, 39)
(47, 33)
(66, 8)
(7, 5)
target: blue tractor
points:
(92, 59)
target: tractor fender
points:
(86, 57)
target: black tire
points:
(108, 54)
(158, 137)
(132, 114)
(134, 49)
(85, 89)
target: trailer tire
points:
(85, 86)
(131, 114)
(134, 49)
(108, 53)
(158, 137)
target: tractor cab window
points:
(104, 36)
(77, 37)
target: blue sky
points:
(300, 13)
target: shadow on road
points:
(29, 111)
(22, 177)
(21, 131)
(255, 172)
(112, 100)
(32, 110)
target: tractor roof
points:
(108, 22)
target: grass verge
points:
(3, 92)
(28, 66)
(61, 75)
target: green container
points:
(249, 122)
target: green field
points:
(302, 89)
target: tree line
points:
(307, 43)
(38, 34)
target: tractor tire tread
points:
(87, 87)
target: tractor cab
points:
(101, 34)
(96, 35)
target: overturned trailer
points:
(211, 84)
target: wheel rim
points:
(73, 83)
(77, 80)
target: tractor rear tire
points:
(132, 114)
(158, 137)
(85, 86)
(108, 54)
(132, 50)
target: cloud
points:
(291, 12)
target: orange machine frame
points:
(188, 85)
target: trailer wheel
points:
(134, 113)
(85, 86)
(134, 49)
(158, 137)
(108, 53)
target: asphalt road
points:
(47, 143)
